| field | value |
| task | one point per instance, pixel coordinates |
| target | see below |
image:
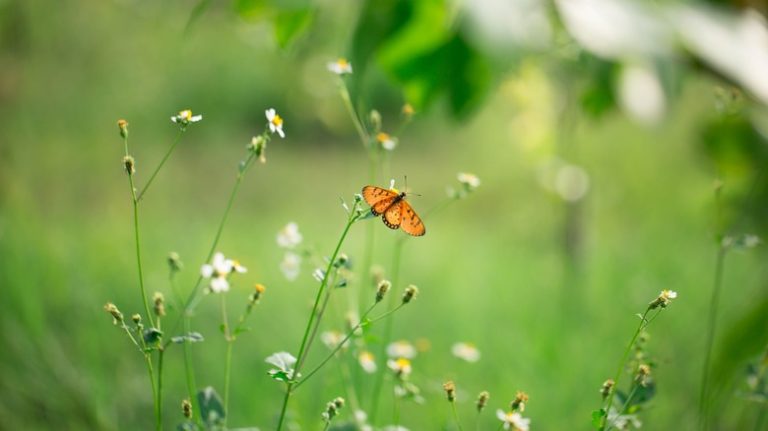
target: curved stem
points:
(160, 388)
(456, 416)
(151, 372)
(299, 358)
(162, 162)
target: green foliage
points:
(211, 408)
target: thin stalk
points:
(137, 241)
(320, 314)
(338, 346)
(456, 415)
(299, 358)
(364, 137)
(162, 162)
(228, 360)
(620, 368)
(190, 370)
(151, 372)
(160, 356)
(759, 424)
(711, 326)
(626, 404)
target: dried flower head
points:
(129, 164)
(382, 289)
(410, 292)
(518, 404)
(332, 409)
(482, 400)
(186, 409)
(450, 390)
(643, 375)
(605, 390)
(174, 262)
(117, 316)
(136, 318)
(159, 300)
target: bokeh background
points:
(598, 129)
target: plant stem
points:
(626, 403)
(160, 356)
(228, 360)
(618, 374)
(189, 369)
(151, 372)
(162, 162)
(338, 346)
(711, 326)
(137, 241)
(299, 358)
(456, 415)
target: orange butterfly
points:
(394, 210)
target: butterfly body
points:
(394, 210)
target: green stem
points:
(161, 355)
(626, 403)
(456, 415)
(364, 138)
(620, 368)
(190, 370)
(151, 372)
(759, 424)
(320, 313)
(162, 162)
(137, 241)
(299, 358)
(711, 326)
(228, 360)
(338, 346)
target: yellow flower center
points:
(382, 137)
(403, 363)
(342, 63)
(277, 121)
(185, 114)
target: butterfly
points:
(393, 209)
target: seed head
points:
(410, 292)
(450, 390)
(186, 408)
(518, 404)
(643, 374)
(117, 316)
(482, 400)
(174, 262)
(129, 164)
(159, 301)
(382, 289)
(605, 390)
(136, 318)
(663, 300)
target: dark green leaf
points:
(152, 335)
(211, 407)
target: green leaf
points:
(211, 407)
(597, 418)
(289, 24)
(252, 8)
(242, 329)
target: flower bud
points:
(159, 301)
(518, 404)
(186, 409)
(129, 164)
(123, 126)
(174, 262)
(482, 400)
(375, 118)
(136, 318)
(607, 387)
(117, 316)
(450, 390)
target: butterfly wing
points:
(378, 198)
(411, 222)
(393, 215)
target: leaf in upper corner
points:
(290, 24)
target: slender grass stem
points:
(228, 358)
(711, 327)
(338, 346)
(320, 314)
(299, 358)
(361, 132)
(151, 372)
(620, 369)
(189, 370)
(162, 162)
(160, 356)
(456, 415)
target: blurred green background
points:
(544, 283)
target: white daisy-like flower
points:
(275, 122)
(340, 66)
(401, 366)
(469, 181)
(289, 236)
(401, 349)
(331, 339)
(290, 265)
(185, 117)
(387, 142)
(218, 270)
(513, 420)
(367, 362)
(668, 294)
(466, 351)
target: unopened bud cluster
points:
(663, 300)
(159, 300)
(117, 316)
(332, 409)
(174, 262)
(129, 164)
(643, 376)
(258, 290)
(186, 409)
(122, 125)
(518, 404)
(605, 390)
